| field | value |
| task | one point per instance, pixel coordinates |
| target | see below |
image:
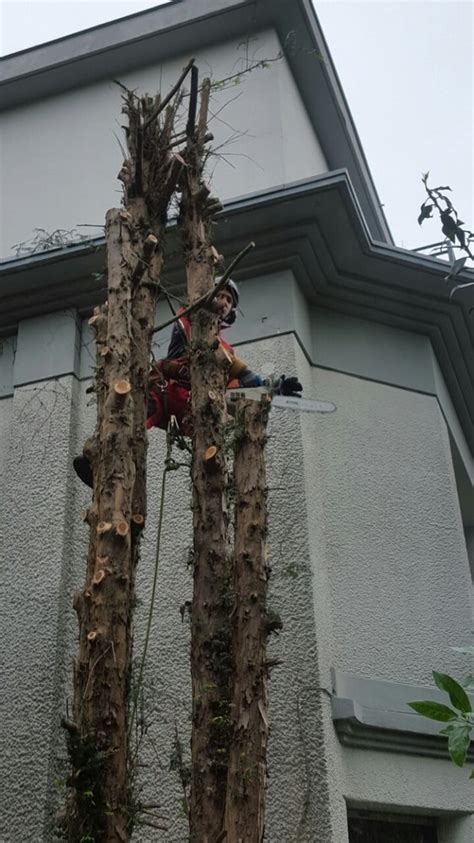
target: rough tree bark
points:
(210, 665)
(98, 738)
(99, 807)
(246, 781)
(225, 803)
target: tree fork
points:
(246, 780)
(149, 178)
(99, 807)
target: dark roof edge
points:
(348, 125)
(88, 29)
(388, 285)
(112, 35)
(339, 179)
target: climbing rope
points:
(170, 465)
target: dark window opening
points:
(377, 828)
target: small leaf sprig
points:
(451, 226)
(44, 240)
(459, 717)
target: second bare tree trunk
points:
(210, 665)
(246, 781)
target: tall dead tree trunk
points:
(210, 666)
(246, 781)
(98, 738)
(228, 661)
(221, 801)
(99, 808)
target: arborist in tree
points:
(169, 387)
(169, 380)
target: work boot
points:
(83, 469)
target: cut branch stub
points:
(214, 206)
(138, 520)
(149, 247)
(95, 320)
(122, 388)
(98, 577)
(210, 453)
(104, 527)
(121, 528)
(69, 725)
(217, 258)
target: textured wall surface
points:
(35, 562)
(392, 588)
(369, 574)
(7, 354)
(261, 122)
(396, 556)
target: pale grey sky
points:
(407, 69)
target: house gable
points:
(174, 30)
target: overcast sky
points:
(406, 67)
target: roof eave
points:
(328, 247)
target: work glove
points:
(288, 386)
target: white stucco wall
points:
(395, 549)
(36, 559)
(369, 575)
(391, 579)
(59, 158)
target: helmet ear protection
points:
(230, 319)
(232, 288)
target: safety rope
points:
(170, 465)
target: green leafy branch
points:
(451, 226)
(459, 717)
